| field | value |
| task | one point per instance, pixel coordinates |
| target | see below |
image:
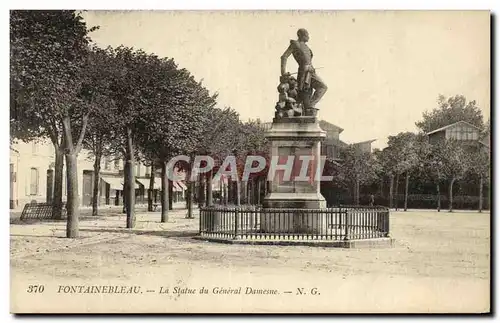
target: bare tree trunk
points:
(201, 190)
(259, 182)
(164, 192)
(251, 192)
(170, 195)
(71, 152)
(244, 191)
(58, 184)
(397, 190)
(129, 190)
(190, 199)
(72, 204)
(357, 190)
(407, 183)
(481, 193)
(125, 179)
(224, 193)
(391, 194)
(237, 188)
(97, 177)
(210, 197)
(189, 193)
(450, 198)
(230, 191)
(438, 191)
(151, 187)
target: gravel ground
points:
(440, 263)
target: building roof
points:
(335, 142)
(365, 142)
(485, 140)
(325, 124)
(452, 125)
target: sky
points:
(383, 69)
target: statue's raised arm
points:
(284, 58)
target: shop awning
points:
(157, 185)
(136, 186)
(143, 181)
(175, 187)
(115, 183)
(182, 185)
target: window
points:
(462, 133)
(34, 179)
(148, 171)
(34, 148)
(137, 169)
(106, 162)
(117, 163)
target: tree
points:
(100, 135)
(480, 166)
(51, 91)
(174, 124)
(449, 160)
(451, 110)
(357, 168)
(387, 161)
(219, 140)
(453, 162)
(406, 148)
(252, 142)
(131, 93)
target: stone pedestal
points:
(295, 136)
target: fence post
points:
(202, 216)
(340, 216)
(236, 212)
(387, 214)
(347, 223)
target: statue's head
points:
(283, 87)
(303, 35)
(292, 81)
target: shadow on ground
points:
(157, 233)
(58, 221)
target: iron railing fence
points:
(338, 223)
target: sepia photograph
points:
(250, 161)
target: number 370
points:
(35, 289)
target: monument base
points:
(294, 222)
(312, 200)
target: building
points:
(32, 177)
(460, 130)
(464, 132)
(332, 144)
(364, 146)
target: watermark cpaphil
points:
(296, 168)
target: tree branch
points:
(85, 120)
(67, 133)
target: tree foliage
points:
(451, 110)
(51, 92)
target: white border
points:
(196, 5)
